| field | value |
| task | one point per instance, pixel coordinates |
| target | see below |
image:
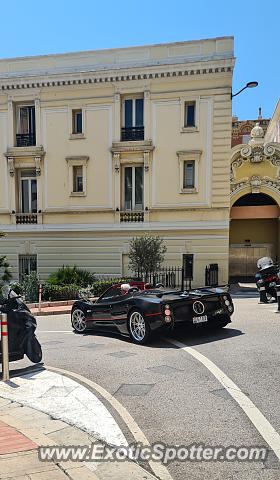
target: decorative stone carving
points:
(268, 150)
(11, 166)
(255, 183)
(246, 151)
(116, 160)
(146, 161)
(235, 164)
(147, 94)
(117, 97)
(38, 166)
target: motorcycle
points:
(21, 328)
(267, 279)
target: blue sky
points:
(35, 28)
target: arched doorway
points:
(254, 233)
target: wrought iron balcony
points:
(132, 134)
(26, 139)
(26, 218)
(132, 216)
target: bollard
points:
(40, 296)
(278, 297)
(263, 298)
(5, 349)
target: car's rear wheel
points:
(138, 327)
(78, 320)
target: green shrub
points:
(101, 286)
(59, 292)
(30, 287)
(71, 275)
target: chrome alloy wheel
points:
(137, 326)
(78, 320)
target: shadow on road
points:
(186, 335)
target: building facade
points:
(98, 147)
(255, 203)
(241, 129)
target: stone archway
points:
(255, 204)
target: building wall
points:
(86, 230)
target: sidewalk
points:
(52, 308)
(33, 409)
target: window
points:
(28, 191)
(133, 188)
(188, 179)
(77, 121)
(246, 138)
(77, 169)
(189, 170)
(27, 264)
(26, 130)
(133, 119)
(189, 114)
(78, 179)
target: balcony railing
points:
(26, 218)
(26, 139)
(132, 216)
(132, 134)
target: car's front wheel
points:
(138, 327)
(78, 320)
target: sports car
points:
(140, 312)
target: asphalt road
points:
(172, 396)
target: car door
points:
(102, 309)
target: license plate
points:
(201, 319)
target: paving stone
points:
(70, 436)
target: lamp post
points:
(248, 85)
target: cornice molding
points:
(220, 67)
(17, 152)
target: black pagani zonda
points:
(139, 312)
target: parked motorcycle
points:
(267, 279)
(21, 328)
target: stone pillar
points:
(117, 183)
(38, 166)
(12, 184)
(117, 118)
(146, 185)
(11, 127)
(147, 115)
(38, 122)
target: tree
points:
(146, 254)
(5, 274)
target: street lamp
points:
(249, 85)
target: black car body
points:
(140, 312)
(267, 279)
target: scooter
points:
(267, 279)
(21, 328)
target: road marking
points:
(158, 469)
(263, 426)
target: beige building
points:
(255, 201)
(99, 146)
